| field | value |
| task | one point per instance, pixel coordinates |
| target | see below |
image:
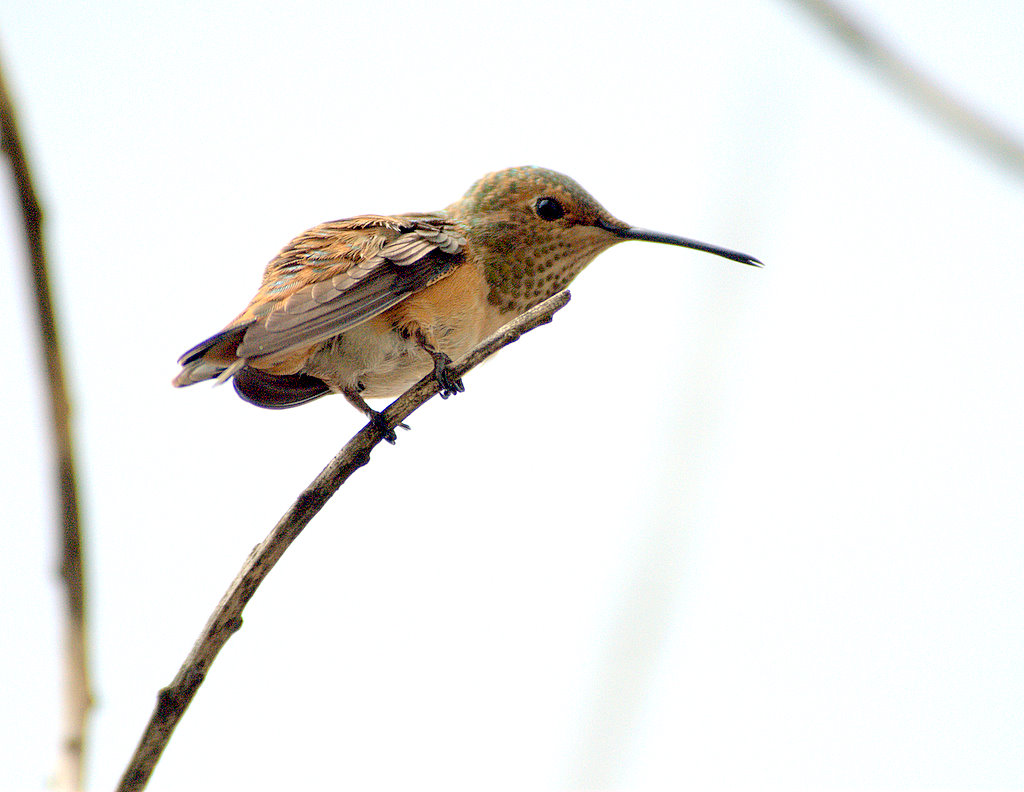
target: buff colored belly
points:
(381, 358)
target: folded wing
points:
(325, 281)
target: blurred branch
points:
(949, 110)
(174, 699)
(77, 695)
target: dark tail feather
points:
(277, 391)
(211, 357)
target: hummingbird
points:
(367, 306)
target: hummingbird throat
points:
(524, 267)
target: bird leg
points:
(443, 372)
(377, 419)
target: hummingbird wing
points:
(338, 275)
(328, 279)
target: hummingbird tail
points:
(212, 358)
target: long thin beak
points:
(643, 235)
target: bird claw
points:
(381, 425)
(444, 372)
(445, 375)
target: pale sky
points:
(713, 527)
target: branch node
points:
(166, 704)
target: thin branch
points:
(951, 111)
(77, 695)
(174, 699)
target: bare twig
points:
(77, 695)
(938, 102)
(227, 617)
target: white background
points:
(713, 526)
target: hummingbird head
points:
(534, 230)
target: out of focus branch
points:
(949, 110)
(174, 699)
(77, 695)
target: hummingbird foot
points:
(376, 418)
(444, 373)
(386, 432)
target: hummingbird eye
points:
(548, 209)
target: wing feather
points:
(385, 265)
